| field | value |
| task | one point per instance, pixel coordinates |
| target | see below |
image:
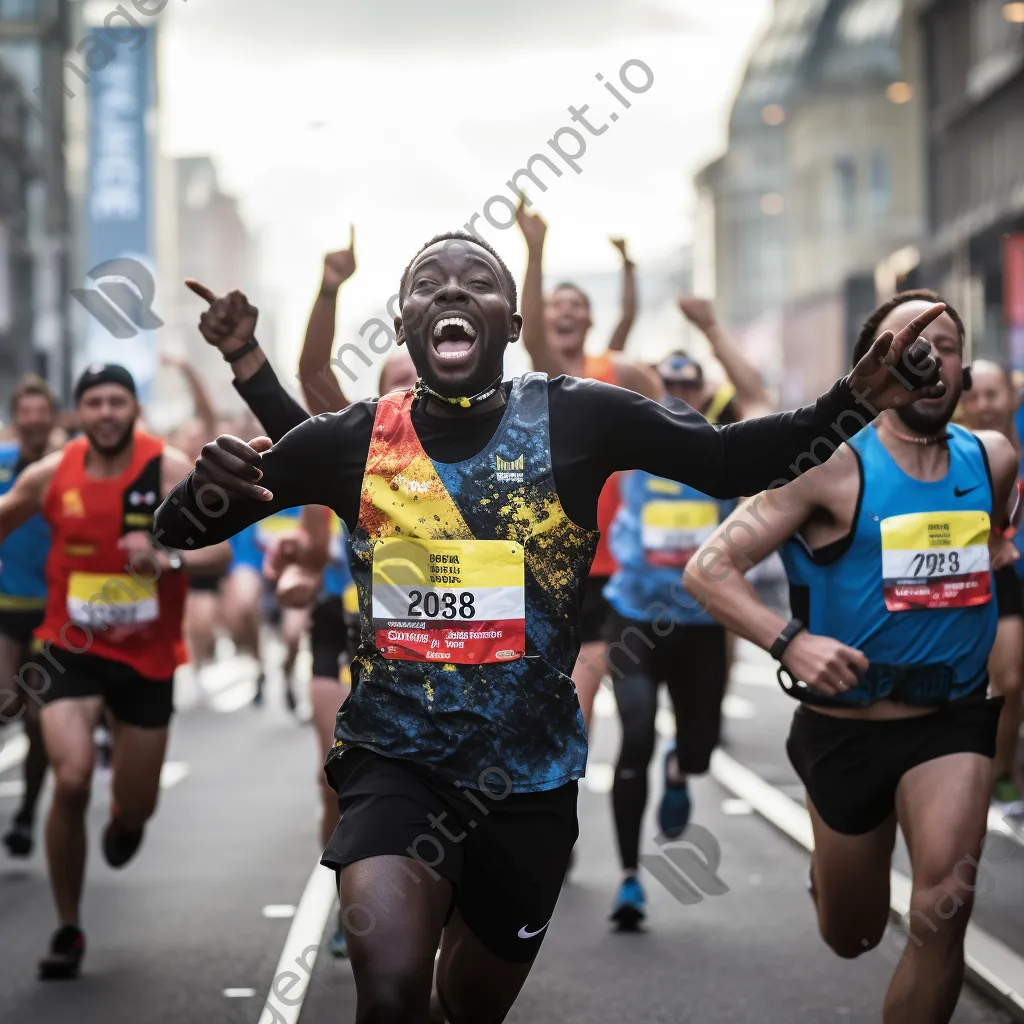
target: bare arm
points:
(745, 377)
(641, 379)
(534, 334)
(320, 386)
(1002, 461)
(25, 498)
(625, 324)
(316, 521)
(212, 560)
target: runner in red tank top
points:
(112, 633)
(554, 333)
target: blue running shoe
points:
(338, 946)
(674, 810)
(630, 906)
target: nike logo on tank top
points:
(470, 578)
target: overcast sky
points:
(403, 117)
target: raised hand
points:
(899, 370)
(532, 225)
(620, 244)
(700, 312)
(341, 265)
(230, 321)
(233, 466)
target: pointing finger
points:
(201, 290)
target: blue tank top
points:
(910, 586)
(659, 526)
(336, 576)
(245, 551)
(23, 553)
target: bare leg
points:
(943, 808)
(138, 759)
(67, 731)
(201, 611)
(587, 673)
(243, 593)
(1006, 669)
(327, 695)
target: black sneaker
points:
(19, 839)
(66, 951)
(120, 844)
(257, 700)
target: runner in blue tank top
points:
(23, 596)
(990, 405)
(889, 547)
(472, 505)
(658, 633)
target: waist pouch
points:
(916, 685)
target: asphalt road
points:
(198, 926)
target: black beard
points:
(112, 451)
(921, 422)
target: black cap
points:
(104, 373)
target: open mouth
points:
(566, 325)
(454, 338)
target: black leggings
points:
(690, 660)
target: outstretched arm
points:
(534, 335)
(25, 498)
(745, 377)
(625, 324)
(320, 386)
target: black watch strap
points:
(250, 346)
(785, 638)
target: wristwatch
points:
(785, 638)
(175, 561)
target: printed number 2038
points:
(934, 562)
(443, 606)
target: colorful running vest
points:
(470, 579)
(23, 552)
(911, 587)
(659, 526)
(602, 368)
(99, 602)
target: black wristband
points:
(250, 346)
(785, 638)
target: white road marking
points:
(13, 751)
(13, 788)
(736, 807)
(599, 777)
(990, 963)
(738, 707)
(278, 910)
(604, 704)
(172, 773)
(300, 949)
(239, 993)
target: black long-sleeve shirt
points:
(596, 430)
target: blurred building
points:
(210, 242)
(822, 179)
(973, 55)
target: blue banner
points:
(119, 292)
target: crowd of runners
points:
(471, 557)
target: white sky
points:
(403, 117)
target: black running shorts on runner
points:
(328, 638)
(851, 767)
(506, 857)
(131, 698)
(204, 584)
(20, 625)
(595, 611)
(1008, 592)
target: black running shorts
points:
(328, 638)
(851, 766)
(131, 698)
(1008, 592)
(20, 625)
(595, 611)
(200, 583)
(505, 856)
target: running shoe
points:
(674, 810)
(120, 844)
(630, 906)
(257, 700)
(18, 839)
(289, 697)
(65, 957)
(1004, 791)
(338, 946)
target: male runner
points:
(23, 595)
(470, 563)
(555, 332)
(990, 404)
(111, 635)
(887, 546)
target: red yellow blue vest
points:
(470, 578)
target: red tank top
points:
(602, 368)
(98, 602)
